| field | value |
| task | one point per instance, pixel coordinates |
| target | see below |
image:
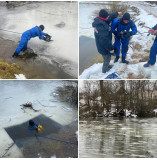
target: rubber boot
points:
(147, 65)
(124, 61)
(116, 59)
(110, 66)
(14, 55)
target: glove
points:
(131, 33)
(127, 35)
(115, 52)
(47, 38)
(151, 31)
(118, 34)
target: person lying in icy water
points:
(27, 35)
(34, 126)
(121, 29)
(153, 50)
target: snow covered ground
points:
(42, 95)
(139, 46)
(60, 20)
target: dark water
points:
(114, 138)
(87, 50)
(43, 146)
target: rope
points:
(10, 31)
(57, 140)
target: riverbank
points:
(139, 47)
(10, 71)
(38, 67)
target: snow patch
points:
(149, 72)
(54, 156)
(76, 135)
(20, 76)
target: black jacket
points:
(103, 34)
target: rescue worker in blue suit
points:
(121, 29)
(34, 126)
(27, 35)
(153, 50)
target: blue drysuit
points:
(27, 35)
(153, 50)
(119, 26)
(34, 127)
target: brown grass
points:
(114, 7)
(8, 70)
(147, 50)
(137, 47)
(131, 76)
(144, 59)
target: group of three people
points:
(122, 28)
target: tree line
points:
(139, 96)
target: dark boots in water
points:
(116, 59)
(14, 55)
(124, 61)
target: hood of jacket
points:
(98, 21)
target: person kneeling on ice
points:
(103, 36)
(153, 50)
(27, 35)
(121, 29)
(34, 126)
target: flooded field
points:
(114, 138)
(14, 120)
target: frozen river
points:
(43, 96)
(114, 138)
(60, 20)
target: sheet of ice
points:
(135, 68)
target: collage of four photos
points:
(78, 79)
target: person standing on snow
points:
(153, 50)
(121, 29)
(103, 36)
(27, 35)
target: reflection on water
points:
(111, 138)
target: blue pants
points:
(153, 53)
(125, 43)
(22, 45)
